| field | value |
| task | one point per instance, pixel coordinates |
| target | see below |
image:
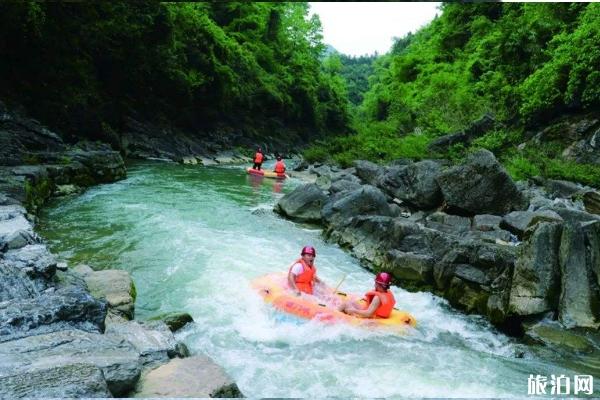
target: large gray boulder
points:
(561, 188)
(448, 223)
(367, 200)
(367, 235)
(20, 136)
(573, 216)
(114, 286)
(303, 204)
(536, 279)
(344, 185)
(34, 259)
(76, 381)
(103, 165)
(480, 186)
(518, 221)
(153, 340)
(580, 297)
(117, 359)
(196, 376)
(53, 310)
(367, 171)
(486, 222)
(410, 266)
(414, 183)
(15, 230)
(15, 284)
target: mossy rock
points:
(174, 320)
(37, 193)
(555, 336)
(470, 298)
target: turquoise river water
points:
(194, 237)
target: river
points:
(194, 237)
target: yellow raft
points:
(265, 173)
(273, 289)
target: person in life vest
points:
(303, 274)
(258, 159)
(279, 166)
(378, 303)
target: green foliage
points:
(570, 78)
(379, 144)
(316, 153)
(523, 63)
(497, 140)
(356, 72)
(545, 160)
(501, 58)
(588, 174)
(520, 167)
(247, 66)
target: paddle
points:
(339, 284)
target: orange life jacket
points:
(304, 281)
(387, 302)
(258, 157)
(279, 167)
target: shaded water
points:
(194, 237)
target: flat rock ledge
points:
(196, 376)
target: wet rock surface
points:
(513, 252)
(65, 334)
(196, 376)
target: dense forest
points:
(257, 69)
(82, 68)
(356, 72)
(524, 64)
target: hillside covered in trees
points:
(83, 68)
(256, 72)
(522, 65)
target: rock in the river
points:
(303, 204)
(174, 320)
(196, 376)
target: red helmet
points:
(384, 279)
(308, 250)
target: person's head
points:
(278, 158)
(259, 150)
(383, 280)
(308, 253)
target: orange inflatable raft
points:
(266, 174)
(273, 289)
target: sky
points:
(363, 28)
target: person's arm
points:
(292, 283)
(368, 312)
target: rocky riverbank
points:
(69, 332)
(524, 254)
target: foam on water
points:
(194, 238)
